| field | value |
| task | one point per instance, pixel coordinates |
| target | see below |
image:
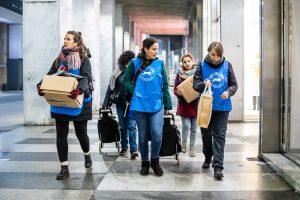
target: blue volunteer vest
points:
(219, 80)
(147, 95)
(70, 111)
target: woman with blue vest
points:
(72, 59)
(218, 73)
(150, 101)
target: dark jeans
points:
(213, 138)
(62, 131)
(150, 124)
(128, 129)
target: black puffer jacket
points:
(118, 87)
(85, 85)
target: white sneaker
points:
(192, 152)
(183, 147)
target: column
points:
(86, 19)
(107, 43)
(43, 31)
(119, 40)
(126, 30)
(232, 38)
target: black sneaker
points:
(134, 154)
(207, 163)
(218, 174)
(123, 152)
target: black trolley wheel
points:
(177, 158)
(118, 146)
(100, 147)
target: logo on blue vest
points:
(217, 79)
(148, 74)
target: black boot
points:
(156, 167)
(145, 168)
(218, 173)
(64, 173)
(88, 161)
(207, 162)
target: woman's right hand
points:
(207, 83)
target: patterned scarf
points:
(186, 73)
(69, 59)
(116, 73)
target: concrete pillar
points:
(211, 23)
(86, 19)
(42, 40)
(126, 30)
(119, 40)
(107, 43)
(15, 58)
(195, 30)
(132, 36)
(197, 24)
(232, 38)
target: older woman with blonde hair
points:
(218, 73)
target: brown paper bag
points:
(205, 108)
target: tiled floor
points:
(29, 163)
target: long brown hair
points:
(82, 48)
(147, 43)
(78, 38)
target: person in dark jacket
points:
(187, 111)
(72, 59)
(116, 93)
(218, 73)
(150, 101)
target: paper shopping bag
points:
(205, 108)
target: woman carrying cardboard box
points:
(187, 111)
(72, 59)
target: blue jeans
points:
(150, 124)
(213, 138)
(128, 128)
(189, 125)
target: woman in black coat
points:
(116, 93)
(72, 59)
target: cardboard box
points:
(57, 89)
(189, 94)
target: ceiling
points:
(159, 17)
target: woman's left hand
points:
(166, 112)
(225, 95)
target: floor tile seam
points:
(50, 173)
(168, 172)
(187, 191)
